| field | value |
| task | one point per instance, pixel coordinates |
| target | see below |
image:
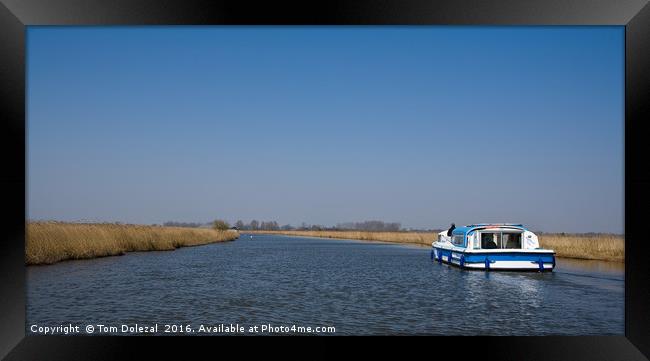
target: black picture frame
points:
(15, 15)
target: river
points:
(356, 287)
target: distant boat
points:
(500, 246)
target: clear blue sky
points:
(419, 125)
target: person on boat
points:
(451, 229)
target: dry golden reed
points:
(50, 242)
(584, 246)
(607, 247)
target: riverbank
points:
(604, 247)
(51, 242)
(419, 238)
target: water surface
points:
(357, 287)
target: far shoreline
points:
(607, 248)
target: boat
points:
(492, 246)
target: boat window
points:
(458, 240)
(491, 240)
(512, 240)
(500, 240)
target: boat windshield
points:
(511, 240)
(491, 240)
(500, 240)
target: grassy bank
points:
(604, 247)
(421, 238)
(50, 242)
(598, 247)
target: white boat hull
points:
(537, 260)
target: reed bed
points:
(51, 242)
(604, 247)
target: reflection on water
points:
(360, 288)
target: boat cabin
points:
(492, 246)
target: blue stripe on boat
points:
(486, 258)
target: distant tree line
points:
(257, 225)
(182, 224)
(374, 226)
(371, 226)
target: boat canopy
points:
(473, 227)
